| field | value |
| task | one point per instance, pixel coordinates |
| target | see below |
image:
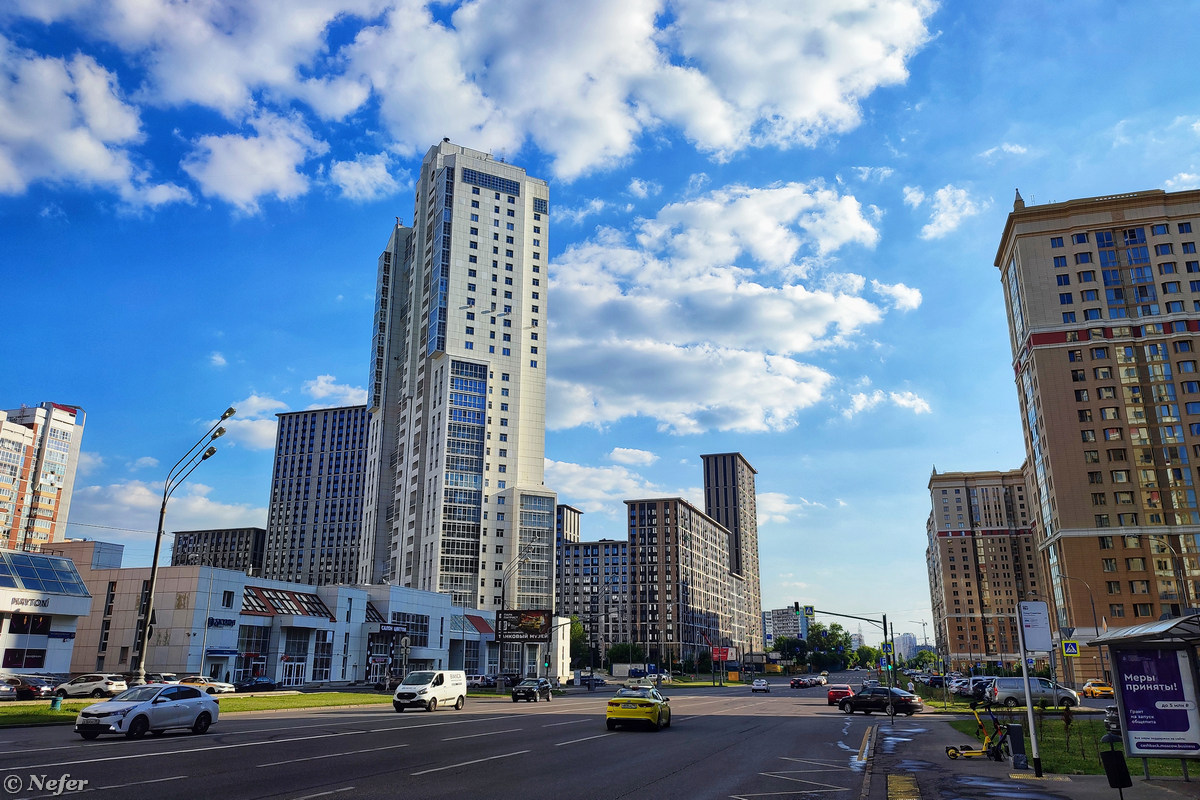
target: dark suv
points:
(531, 689)
(30, 687)
(881, 699)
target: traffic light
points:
(546, 662)
(797, 605)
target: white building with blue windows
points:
(42, 599)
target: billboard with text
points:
(1158, 701)
(523, 626)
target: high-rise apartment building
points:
(227, 548)
(730, 499)
(681, 589)
(592, 583)
(456, 502)
(983, 560)
(1103, 304)
(567, 524)
(315, 512)
(785, 623)
(39, 452)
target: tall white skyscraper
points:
(455, 501)
(39, 452)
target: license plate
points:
(91, 722)
(628, 705)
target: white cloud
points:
(873, 174)
(904, 298)
(1181, 181)
(913, 196)
(242, 169)
(710, 286)
(254, 424)
(643, 188)
(628, 455)
(145, 462)
(597, 489)
(1004, 149)
(574, 216)
(216, 359)
(89, 463)
(365, 178)
(65, 121)
(776, 507)
(864, 401)
(323, 388)
(951, 205)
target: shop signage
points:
(523, 626)
(220, 622)
(64, 635)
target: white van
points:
(430, 688)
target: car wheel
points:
(1067, 702)
(1010, 702)
(611, 724)
(890, 710)
(548, 696)
(89, 735)
(536, 697)
(211, 690)
(847, 708)
(137, 728)
(399, 709)
(201, 724)
(667, 724)
(657, 724)
(97, 693)
(514, 698)
(458, 705)
(61, 693)
(432, 704)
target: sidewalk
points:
(909, 762)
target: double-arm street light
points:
(175, 478)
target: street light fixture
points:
(175, 478)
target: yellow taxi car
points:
(641, 704)
(1097, 688)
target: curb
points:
(867, 753)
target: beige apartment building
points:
(983, 560)
(1103, 302)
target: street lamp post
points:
(175, 478)
(1095, 623)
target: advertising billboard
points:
(1035, 625)
(1158, 701)
(523, 626)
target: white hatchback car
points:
(760, 685)
(152, 708)
(208, 684)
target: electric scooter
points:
(989, 748)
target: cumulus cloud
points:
(65, 121)
(576, 215)
(216, 359)
(913, 196)
(904, 298)
(776, 507)
(89, 463)
(365, 178)
(1181, 181)
(951, 205)
(145, 462)
(325, 389)
(868, 401)
(637, 458)
(241, 169)
(254, 424)
(598, 489)
(643, 188)
(714, 285)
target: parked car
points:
(936, 681)
(760, 685)
(30, 687)
(260, 684)
(92, 685)
(837, 691)
(1011, 692)
(881, 699)
(208, 684)
(153, 708)
(642, 705)
(797, 683)
(1097, 688)
(7, 692)
(592, 680)
(532, 690)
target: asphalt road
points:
(722, 743)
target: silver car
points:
(152, 708)
(1011, 692)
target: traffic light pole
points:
(891, 660)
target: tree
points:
(625, 653)
(579, 642)
(795, 649)
(829, 647)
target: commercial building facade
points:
(42, 600)
(314, 516)
(456, 502)
(983, 559)
(39, 453)
(1103, 302)
(227, 548)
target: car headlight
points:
(422, 691)
(123, 713)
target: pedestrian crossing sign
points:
(1070, 648)
(808, 611)
(887, 647)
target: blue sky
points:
(773, 228)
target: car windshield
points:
(417, 678)
(528, 683)
(138, 694)
(633, 693)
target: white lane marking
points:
(584, 739)
(474, 735)
(324, 794)
(178, 752)
(440, 724)
(568, 722)
(136, 783)
(332, 755)
(468, 763)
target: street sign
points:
(720, 653)
(808, 611)
(887, 647)
(1070, 648)
(1035, 624)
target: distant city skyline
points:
(772, 239)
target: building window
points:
(1114, 587)
(1116, 610)
(1143, 610)
(1083, 258)
(1137, 565)
(1079, 238)
(1056, 241)
(1109, 564)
